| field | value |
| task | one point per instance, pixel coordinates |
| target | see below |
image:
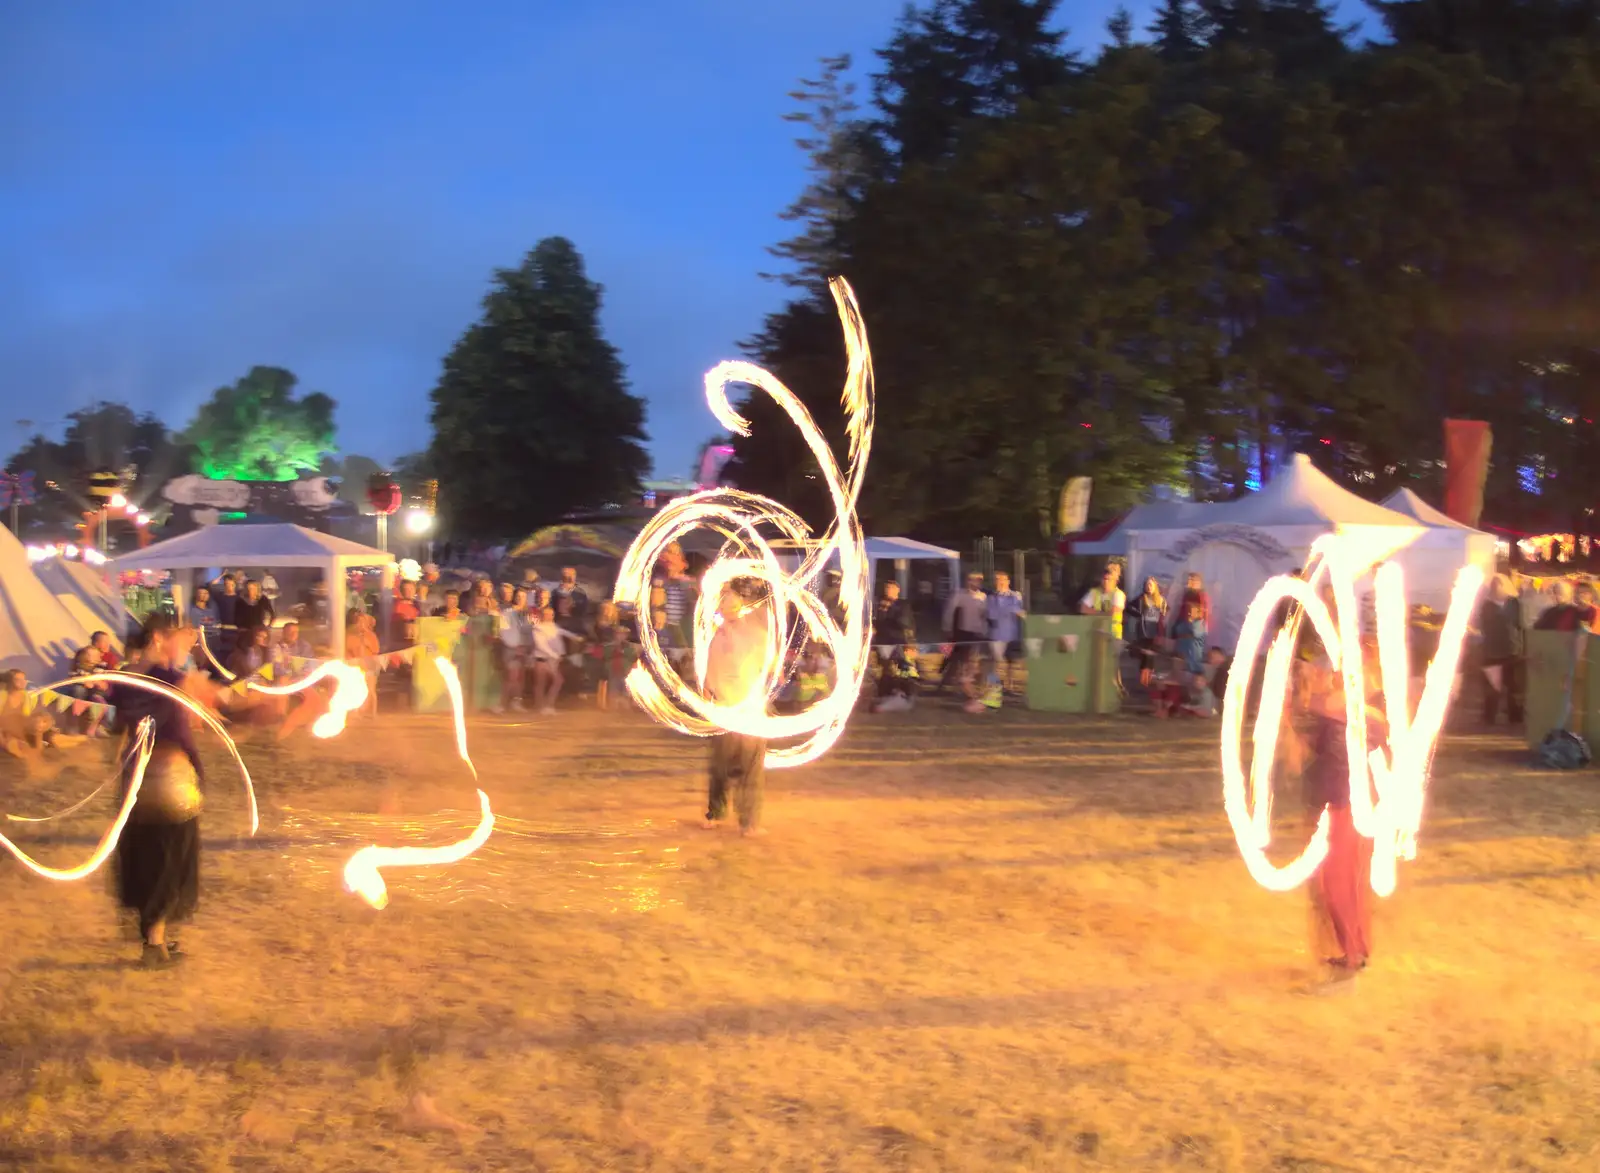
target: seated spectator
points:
(101, 642)
(25, 728)
(89, 722)
(253, 653)
(897, 681)
(291, 655)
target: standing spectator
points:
(966, 616)
(606, 654)
(892, 620)
(1194, 591)
(1107, 599)
(549, 649)
(361, 647)
(1149, 615)
(516, 640)
(269, 586)
(227, 619)
(1500, 624)
(575, 595)
(451, 607)
(253, 610)
(477, 654)
(203, 612)
(680, 593)
(1005, 615)
(406, 613)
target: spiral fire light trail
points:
(746, 553)
(1387, 791)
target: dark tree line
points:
(1239, 232)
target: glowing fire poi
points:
(1386, 793)
(746, 553)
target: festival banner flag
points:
(1069, 644)
(1466, 453)
(266, 673)
(239, 686)
(62, 703)
(79, 708)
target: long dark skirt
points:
(158, 871)
(1341, 894)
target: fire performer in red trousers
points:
(1341, 890)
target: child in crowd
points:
(25, 728)
(897, 681)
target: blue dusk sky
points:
(192, 188)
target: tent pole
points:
(336, 609)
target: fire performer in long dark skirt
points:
(157, 871)
(1341, 890)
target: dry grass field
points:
(970, 942)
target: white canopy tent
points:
(37, 634)
(902, 552)
(1235, 546)
(269, 546)
(1445, 546)
(87, 595)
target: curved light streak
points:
(144, 746)
(740, 517)
(1387, 790)
(162, 688)
(361, 873)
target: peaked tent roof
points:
(1413, 506)
(37, 634)
(907, 548)
(1301, 494)
(271, 545)
(86, 594)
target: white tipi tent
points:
(1432, 562)
(1235, 546)
(87, 595)
(37, 634)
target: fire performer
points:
(737, 672)
(158, 855)
(1341, 889)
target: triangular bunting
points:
(885, 651)
(239, 686)
(1069, 644)
(1035, 646)
(62, 703)
(266, 671)
(79, 708)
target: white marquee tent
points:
(1445, 546)
(268, 546)
(37, 634)
(87, 595)
(900, 552)
(1235, 546)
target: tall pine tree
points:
(532, 417)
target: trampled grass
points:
(970, 942)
